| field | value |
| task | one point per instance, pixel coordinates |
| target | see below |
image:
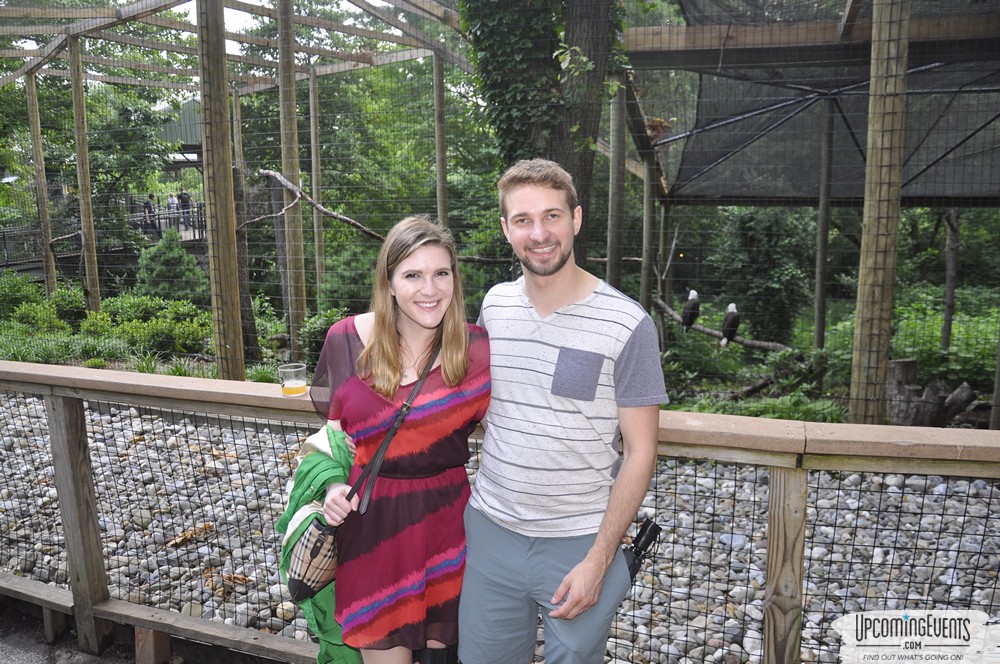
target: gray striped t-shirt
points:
(552, 426)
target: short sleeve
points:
(337, 363)
(638, 370)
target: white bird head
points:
(692, 294)
(731, 308)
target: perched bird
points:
(691, 310)
(730, 323)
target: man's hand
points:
(579, 590)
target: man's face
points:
(540, 227)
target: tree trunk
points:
(953, 222)
(588, 33)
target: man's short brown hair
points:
(538, 172)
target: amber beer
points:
(293, 379)
(293, 388)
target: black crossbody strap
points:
(373, 466)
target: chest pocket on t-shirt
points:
(577, 374)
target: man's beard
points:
(545, 269)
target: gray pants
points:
(509, 578)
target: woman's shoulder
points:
(476, 334)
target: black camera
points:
(637, 552)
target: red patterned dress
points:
(401, 563)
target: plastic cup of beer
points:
(293, 379)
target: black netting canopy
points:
(774, 75)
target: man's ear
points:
(503, 225)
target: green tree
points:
(764, 263)
(169, 272)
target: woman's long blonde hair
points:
(381, 358)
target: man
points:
(570, 445)
(149, 214)
(184, 199)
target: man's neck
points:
(551, 293)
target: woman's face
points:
(423, 285)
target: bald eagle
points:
(730, 323)
(691, 310)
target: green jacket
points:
(325, 460)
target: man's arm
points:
(581, 588)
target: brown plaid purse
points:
(313, 564)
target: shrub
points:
(146, 363)
(40, 318)
(262, 373)
(155, 335)
(17, 289)
(167, 271)
(70, 305)
(131, 306)
(313, 333)
(97, 324)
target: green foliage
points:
(972, 356)
(182, 366)
(262, 373)
(765, 261)
(796, 406)
(348, 281)
(148, 362)
(70, 304)
(512, 49)
(153, 324)
(166, 270)
(17, 289)
(313, 333)
(97, 324)
(132, 306)
(40, 318)
(96, 363)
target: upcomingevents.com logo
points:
(918, 636)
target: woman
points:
(401, 563)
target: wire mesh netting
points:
(187, 504)
(760, 117)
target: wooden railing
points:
(788, 450)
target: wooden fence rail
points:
(788, 450)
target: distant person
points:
(173, 206)
(184, 200)
(149, 214)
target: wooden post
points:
(953, 222)
(649, 207)
(995, 406)
(151, 646)
(248, 323)
(440, 139)
(319, 249)
(616, 184)
(786, 534)
(41, 185)
(220, 202)
(91, 282)
(823, 223)
(883, 177)
(78, 504)
(290, 168)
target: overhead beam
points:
(331, 26)
(849, 17)
(425, 41)
(376, 60)
(431, 9)
(709, 47)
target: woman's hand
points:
(336, 507)
(335, 425)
